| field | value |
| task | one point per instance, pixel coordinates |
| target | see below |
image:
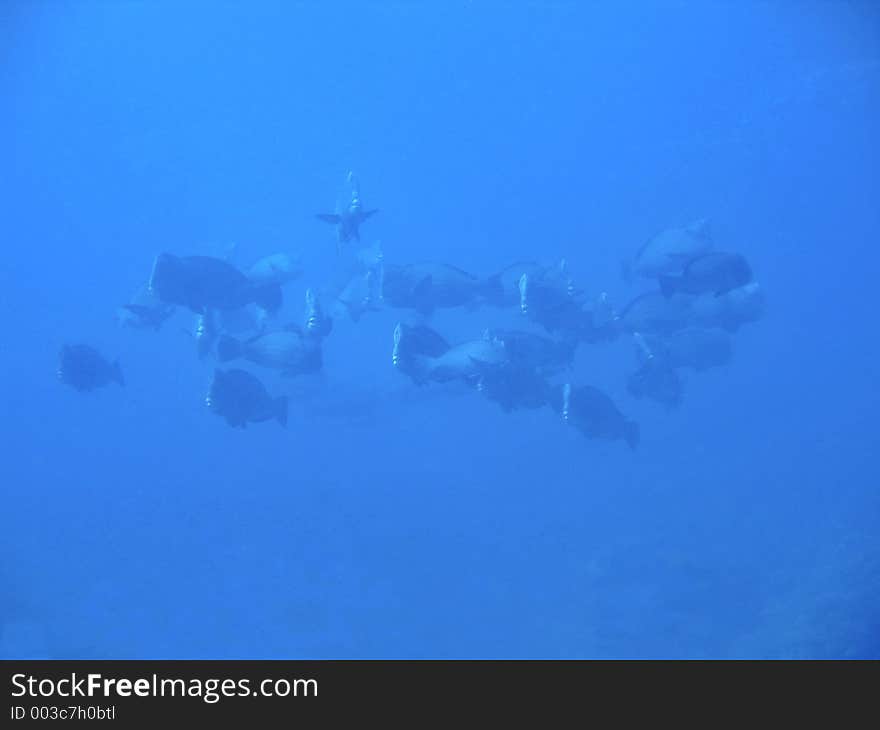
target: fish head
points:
(523, 285)
(395, 352)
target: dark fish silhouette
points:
(669, 250)
(145, 311)
(241, 398)
(429, 286)
(291, 352)
(502, 289)
(514, 386)
(348, 221)
(204, 282)
(528, 350)
(83, 368)
(653, 313)
(730, 311)
(594, 414)
(411, 345)
(716, 273)
(692, 347)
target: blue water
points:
(395, 521)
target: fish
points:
(711, 273)
(412, 346)
(529, 350)
(546, 289)
(729, 311)
(653, 313)
(502, 288)
(466, 361)
(655, 377)
(203, 282)
(551, 300)
(240, 398)
(84, 369)
(425, 356)
(669, 251)
(360, 295)
(698, 348)
(145, 311)
(594, 414)
(278, 269)
(514, 386)
(427, 286)
(656, 381)
(348, 220)
(290, 351)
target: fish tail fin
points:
(668, 285)
(632, 434)
(281, 410)
(228, 348)
(117, 373)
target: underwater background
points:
(391, 521)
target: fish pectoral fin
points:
(329, 218)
